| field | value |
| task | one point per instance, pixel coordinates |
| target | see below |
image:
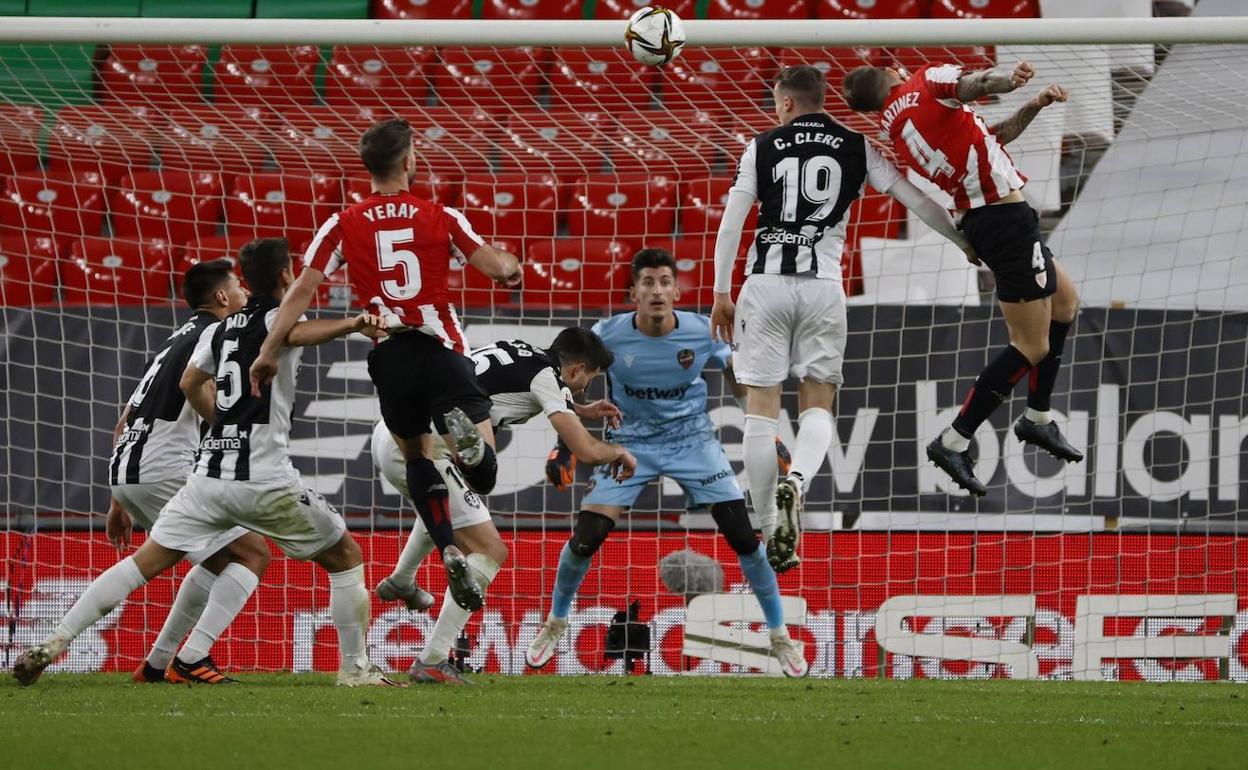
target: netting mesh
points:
(122, 165)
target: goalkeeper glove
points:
(561, 467)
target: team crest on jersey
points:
(685, 358)
(471, 499)
(628, 360)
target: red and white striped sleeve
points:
(942, 81)
(325, 251)
(464, 240)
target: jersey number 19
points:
(818, 181)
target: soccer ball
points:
(655, 35)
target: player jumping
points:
(398, 249)
(804, 175)
(243, 477)
(153, 453)
(522, 381)
(944, 140)
(656, 381)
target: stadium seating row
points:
(715, 9)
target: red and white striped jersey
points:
(398, 250)
(945, 141)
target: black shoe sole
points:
(464, 589)
(785, 537)
(1058, 452)
(939, 460)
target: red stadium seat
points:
(225, 139)
(57, 204)
(174, 206)
(531, 9)
(566, 143)
(113, 141)
(20, 128)
(578, 274)
(512, 206)
(272, 77)
(154, 75)
(835, 63)
(623, 9)
(625, 206)
(452, 140)
(324, 139)
(205, 250)
(600, 79)
(714, 78)
(758, 9)
(472, 288)
(421, 9)
(490, 78)
(702, 207)
(985, 9)
(871, 9)
(361, 76)
(875, 215)
(439, 188)
(27, 271)
(100, 271)
(685, 143)
(281, 205)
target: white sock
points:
(188, 605)
(1039, 418)
(418, 546)
(229, 593)
(348, 606)
(810, 449)
(951, 439)
(452, 618)
(101, 597)
(760, 468)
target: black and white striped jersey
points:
(162, 430)
(805, 175)
(522, 382)
(250, 436)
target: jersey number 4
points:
(933, 161)
(390, 257)
(818, 181)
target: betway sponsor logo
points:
(655, 394)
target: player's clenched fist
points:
(723, 316)
(1051, 93)
(623, 466)
(262, 372)
(1022, 74)
(371, 326)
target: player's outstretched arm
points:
(499, 265)
(294, 303)
(976, 85)
(201, 392)
(320, 331)
(590, 450)
(723, 311)
(933, 215)
(1012, 127)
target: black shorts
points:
(419, 380)
(1006, 238)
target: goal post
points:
(132, 148)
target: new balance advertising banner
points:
(1099, 606)
(1155, 398)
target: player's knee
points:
(1033, 350)
(496, 551)
(252, 552)
(734, 525)
(341, 556)
(484, 475)
(589, 533)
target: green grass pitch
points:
(103, 721)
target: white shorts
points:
(789, 325)
(282, 509)
(144, 502)
(467, 508)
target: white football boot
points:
(543, 647)
(792, 661)
(366, 676)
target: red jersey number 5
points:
(406, 284)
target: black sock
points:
(433, 503)
(1044, 375)
(484, 475)
(991, 388)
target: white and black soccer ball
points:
(655, 35)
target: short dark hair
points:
(263, 261)
(652, 258)
(865, 88)
(384, 146)
(203, 279)
(804, 82)
(575, 345)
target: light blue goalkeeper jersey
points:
(657, 381)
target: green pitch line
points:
(303, 722)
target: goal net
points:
(124, 162)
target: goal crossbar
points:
(788, 32)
